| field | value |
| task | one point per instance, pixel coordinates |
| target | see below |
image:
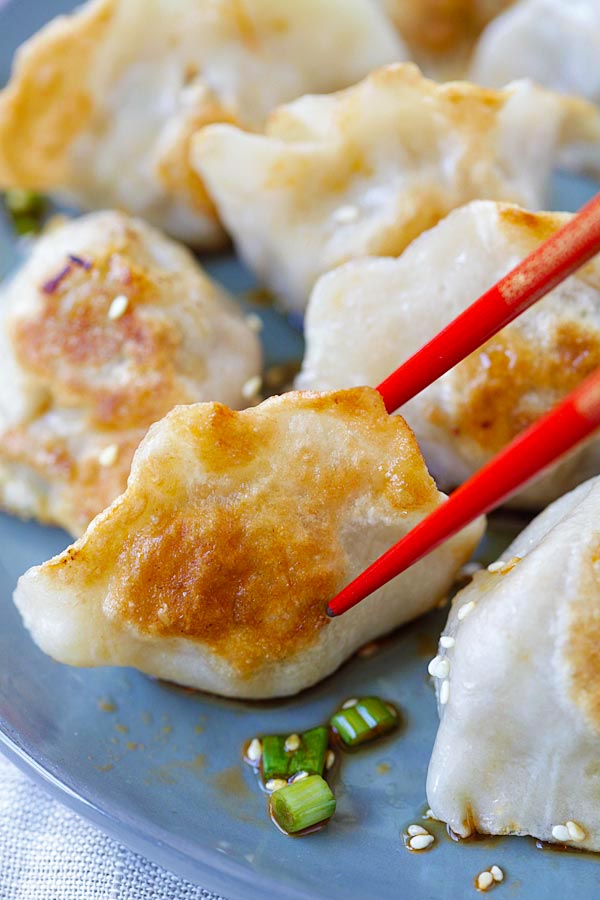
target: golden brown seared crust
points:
(495, 402)
(245, 563)
(582, 644)
(438, 27)
(70, 338)
(533, 227)
(46, 104)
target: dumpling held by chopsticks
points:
(371, 315)
(214, 567)
(518, 683)
(106, 327)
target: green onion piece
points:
(275, 758)
(310, 756)
(26, 209)
(25, 225)
(369, 718)
(21, 202)
(302, 804)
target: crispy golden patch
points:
(46, 105)
(505, 386)
(582, 645)
(68, 341)
(239, 546)
(439, 27)
(533, 227)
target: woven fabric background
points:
(48, 852)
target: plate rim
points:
(226, 879)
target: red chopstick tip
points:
(330, 612)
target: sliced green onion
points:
(22, 202)
(275, 758)
(367, 719)
(310, 756)
(302, 804)
(279, 762)
(25, 225)
(26, 209)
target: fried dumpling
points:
(555, 43)
(102, 103)
(367, 317)
(364, 171)
(440, 33)
(106, 327)
(518, 684)
(214, 567)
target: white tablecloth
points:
(49, 853)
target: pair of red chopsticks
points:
(536, 448)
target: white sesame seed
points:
(163, 614)
(254, 322)
(469, 569)
(421, 841)
(497, 873)
(254, 751)
(292, 742)
(118, 307)
(413, 830)
(329, 759)
(446, 641)
(352, 702)
(439, 667)
(275, 784)
(108, 456)
(252, 387)
(576, 832)
(466, 609)
(485, 880)
(300, 776)
(429, 814)
(561, 833)
(496, 566)
(345, 215)
(444, 692)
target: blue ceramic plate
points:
(160, 768)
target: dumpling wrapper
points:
(441, 33)
(555, 43)
(102, 103)
(365, 171)
(214, 567)
(78, 389)
(369, 316)
(517, 750)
